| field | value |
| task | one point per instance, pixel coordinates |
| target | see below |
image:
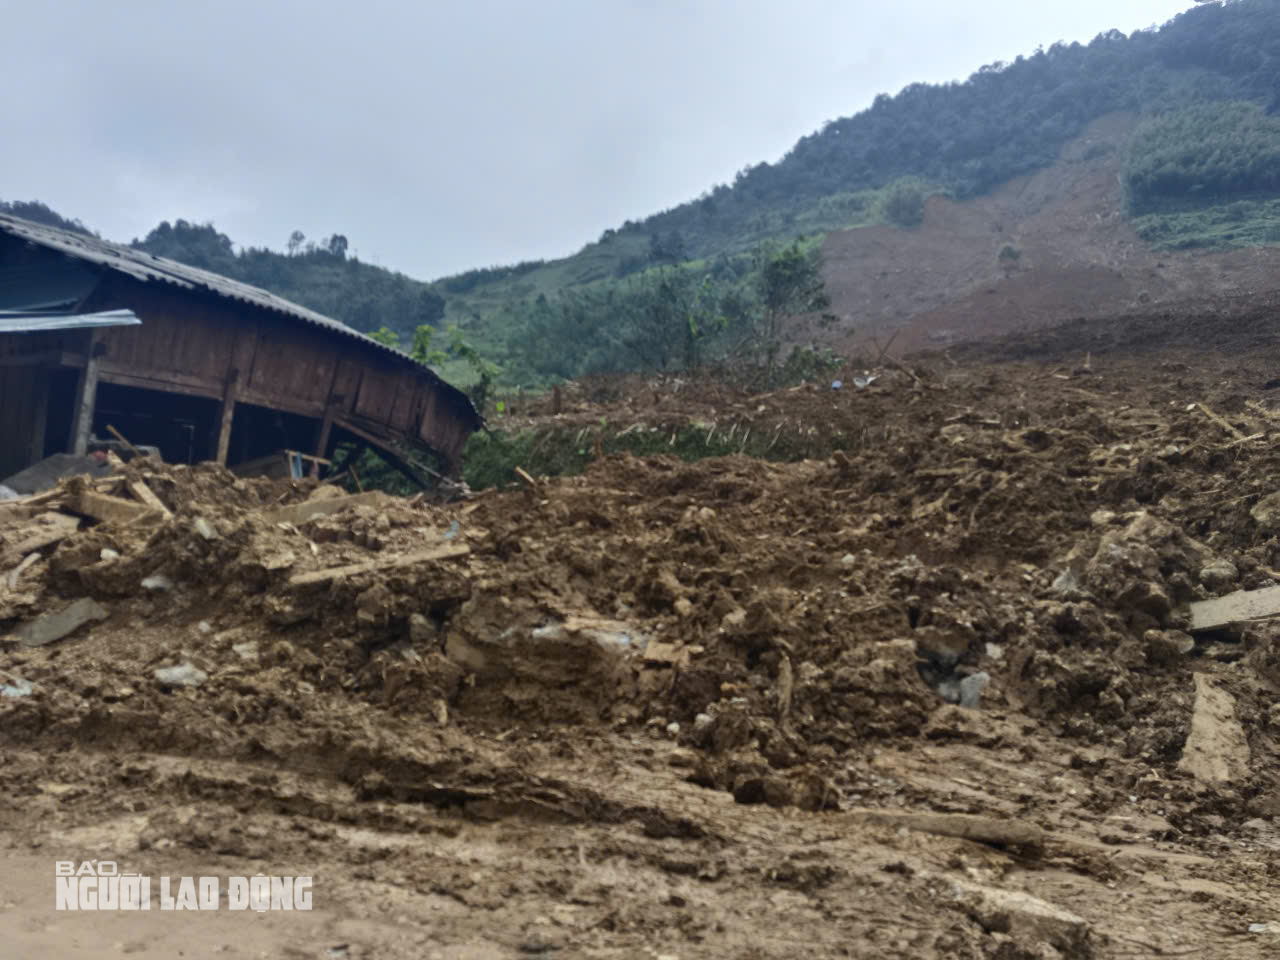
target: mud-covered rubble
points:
(753, 678)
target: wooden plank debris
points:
(965, 826)
(310, 509)
(144, 493)
(58, 528)
(99, 506)
(439, 552)
(121, 437)
(1239, 607)
(1220, 422)
(1251, 437)
(17, 571)
(1216, 750)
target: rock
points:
(1266, 512)
(942, 648)
(971, 688)
(1272, 928)
(673, 728)
(610, 634)
(848, 560)
(157, 583)
(1066, 583)
(327, 491)
(702, 723)
(1026, 918)
(183, 675)
(108, 554)
(372, 604)
(420, 630)
(1147, 597)
(19, 688)
(1166, 647)
(1216, 750)
(1220, 573)
(204, 627)
(55, 626)
(247, 650)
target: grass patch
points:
(1228, 226)
(490, 458)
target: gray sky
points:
(442, 136)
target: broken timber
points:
(1221, 422)
(58, 529)
(144, 493)
(1239, 607)
(99, 506)
(309, 509)
(964, 826)
(441, 552)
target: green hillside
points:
(1202, 172)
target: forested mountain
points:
(1202, 171)
(37, 212)
(317, 275)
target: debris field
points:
(952, 691)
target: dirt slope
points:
(697, 710)
(1078, 256)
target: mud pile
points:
(936, 695)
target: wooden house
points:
(205, 368)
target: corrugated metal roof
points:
(147, 267)
(18, 321)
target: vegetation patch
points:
(1241, 223)
(491, 457)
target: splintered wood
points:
(140, 490)
(441, 552)
(108, 509)
(1239, 607)
(58, 527)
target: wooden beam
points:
(1242, 606)
(225, 419)
(443, 551)
(239, 371)
(41, 358)
(144, 493)
(86, 397)
(165, 383)
(40, 416)
(322, 440)
(326, 422)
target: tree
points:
(338, 246)
(430, 308)
(296, 240)
(789, 284)
(385, 336)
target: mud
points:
(697, 709)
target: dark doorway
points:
(180, 425)
(62, 398)
(259, 431)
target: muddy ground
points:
(690, 710)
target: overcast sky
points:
(441, 136)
